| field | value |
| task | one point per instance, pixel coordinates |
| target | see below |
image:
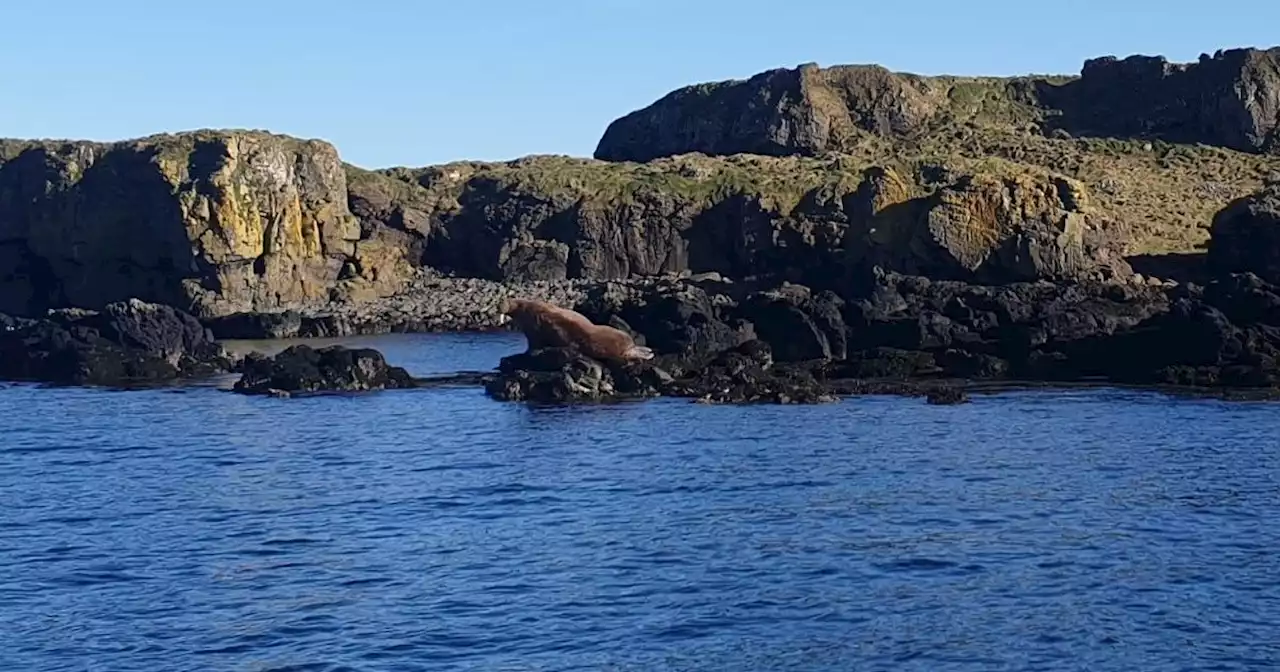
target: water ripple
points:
(438, 530)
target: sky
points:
(420, 82)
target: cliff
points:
(1230, 99)
(804, 175)
(795, 218)
(1159, 147)
(217, 221)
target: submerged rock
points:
(335, 368)
(126, 343)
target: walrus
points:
(547, 325)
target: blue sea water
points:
(196, 529)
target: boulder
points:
(986, 228)
(335, 368)
(1245, 236)
(675, 319)
(797, 324)
(557, 375)
(126, 343)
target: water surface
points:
(195, 529)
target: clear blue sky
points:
(408, 82)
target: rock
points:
(748, 374)
(915, 336)
(1246, 236)
(985, 229)
(798, 219)
(335, 368)
(947, 396)
(803, 110)
(127, 343)
(271, 325)
(966, 324)
(1225, 334)
(674, 318)
(743, 374)
(797, 325)
(1231, 99)
(218, 222)
(557, 375)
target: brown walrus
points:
(546, 325)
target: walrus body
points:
(546, 325)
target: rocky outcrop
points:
(910, 328)
(335, 368)
(806, 110)
(127, 343)
(801, 220)
(217, 222)
(985, 228)
(1246, 236)
(553, 375)
(1231, 99)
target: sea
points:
(192, 528)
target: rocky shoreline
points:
(871, 231)
(749, 341)
(718, 342)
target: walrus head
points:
(505, 307)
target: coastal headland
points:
(795, 236)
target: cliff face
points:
(805, 220)
(801, 174)
(1229, 100)
(216, 221)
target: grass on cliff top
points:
(699, 181)
(1167, 194)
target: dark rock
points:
(747, 374)
(803, 110)
(558, 375)
(1227, 334)
(675, 319)
(947, 396)
(797, 325)
(886, 363)
(250, 326)
(1246, 236)
(126, 343)
(1231, 99)
(301, 368)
